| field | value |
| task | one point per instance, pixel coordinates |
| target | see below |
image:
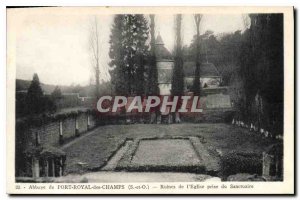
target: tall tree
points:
(128, 52)
(35, 96)
(178, 76)
(116, 54)
(196, 83)
(94, 45)
(152, 88)
(177, 79)
(56, 94)
(261, 70)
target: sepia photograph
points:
(118, 95)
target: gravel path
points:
(113, 162)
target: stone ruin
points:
(273, 162)
(45, 161)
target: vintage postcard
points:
(150, 100)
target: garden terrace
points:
(93, 151)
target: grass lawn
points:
(93, 150)
(176, 152)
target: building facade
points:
(209, 75)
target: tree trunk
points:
(197, 84)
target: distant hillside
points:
(48, 89)
(24, 85)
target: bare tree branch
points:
(95, 54)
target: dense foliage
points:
(222, 50)
(33, 101)
(239, 162)
(56, 94)
(128, 53)
(261, 72)
(251, 64)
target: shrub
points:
(241, 162)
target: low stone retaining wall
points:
(49, 131)
(254, 128)
(54, 130)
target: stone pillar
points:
(35, 168)
(60, 167)
(61, 137)
(177, 117)
(158, 118)
(46, 168)
(53, 167)
(88, 122)
(267, 162)
(76, 126)
(37, 138)
(152, 118)
(170, 118)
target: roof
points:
(159, 40)
(49, 151)
(45, 151)
(206, 69)
(161, 52)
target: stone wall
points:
(209, 116)
(48, 131)
(92, 121)
(213, 101)
(51, 132)
(82, 123)
(68, 128)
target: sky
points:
(56, 46)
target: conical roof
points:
(159, 40)
(162, 53)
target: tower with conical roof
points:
(165, 63)
(162, 53)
